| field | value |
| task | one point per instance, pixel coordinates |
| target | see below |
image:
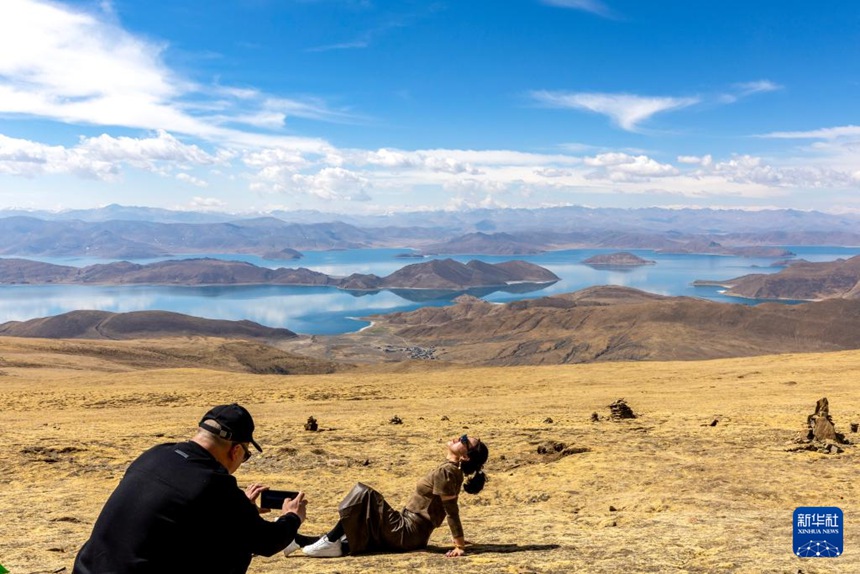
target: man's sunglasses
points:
(247, 452)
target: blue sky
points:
(369, 106)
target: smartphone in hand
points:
(275, 498)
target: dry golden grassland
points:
(665, 492)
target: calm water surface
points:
(325, 310)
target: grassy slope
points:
(689, 497)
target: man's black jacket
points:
(178, 510)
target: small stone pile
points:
(311, 425)
(621, 410)
(821, 435)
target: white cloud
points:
(29, 159)
(331, 183)
(206, 203)
(553, 172)
(749, 169)
(141, 152)
(759, 86)
(341, 46)
(100, 157)
(431, 160)
(593, 6)
(823, 133)
(277, 160)
(73, 66)
(744, 89)
(626, 110)
(623, 167)
(705, 160)
(188, 178)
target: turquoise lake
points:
(325, 310)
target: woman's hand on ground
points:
(456, 551)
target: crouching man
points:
(178, 509)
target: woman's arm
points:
(452, 510)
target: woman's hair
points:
(477, 457)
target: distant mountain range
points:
(117, 232)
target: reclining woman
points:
(369, 524)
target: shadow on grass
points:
(498, 548)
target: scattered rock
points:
(553, 451)
(550, 447)
(595, 417)
(311, 425)
(820, 435)
(612, 509)
(548, 420)
(366, 462)
(621, 410)
(820, 424)
(714, 423)
(854, 427)
(395, 420)
(445, 418)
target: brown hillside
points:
(450, 274)
(617, 323)
(170, 352)
(803, 280)
(136, 325)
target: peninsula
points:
(801, 281)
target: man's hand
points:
(297, 505)
(253, 493)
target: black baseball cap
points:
(234, 423)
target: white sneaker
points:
(324, 548)
(292, 547)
